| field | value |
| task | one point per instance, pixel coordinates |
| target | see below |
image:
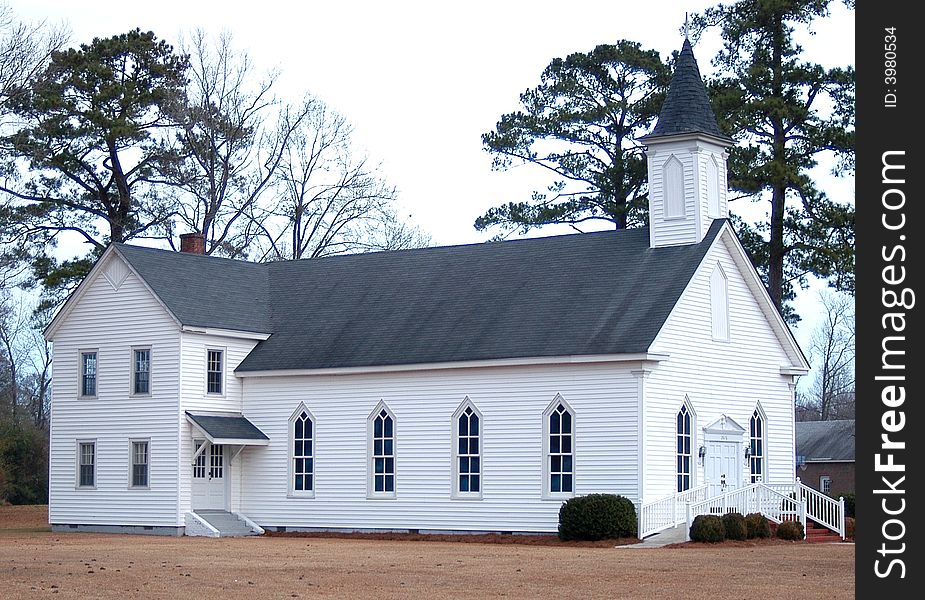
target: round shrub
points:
(790, 530)
(734, 524)
(849, 527)
(757, 526)
(597, 517)
(708, 528)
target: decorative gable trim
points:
(724, 425)
(101, 266)
(116, 273)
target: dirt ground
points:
(35, 563)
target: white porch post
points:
(841, 516)
(803, 516)
(687, 532)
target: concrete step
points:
(227, 524)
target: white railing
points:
(822, 509)
(669, 511)
(756, 497)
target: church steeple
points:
(686, 154)
(687, 107)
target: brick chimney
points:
(193, 243)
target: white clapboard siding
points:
(511, 400)
(113, 321)
(193, 347)
(719, 378)
(674, 231)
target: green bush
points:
(849, 527)
(849, 504)
(597, 517)
(757, 526)
(708, 528)
(790, 530)
(734, 524)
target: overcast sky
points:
(421, 81)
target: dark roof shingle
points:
(235, 427)
(825, 440)
(687, 107)
(582, 294)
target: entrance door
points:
(209, 478)
(723, 471)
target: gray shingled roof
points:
(582, 294)
(825, 440)
(687, 107)
(203, 291)
(227, 427)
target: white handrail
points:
(823, 509)
(666, 512)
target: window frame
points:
(224, 371)
(79, 446)
(371, 492)
(201, 461)
(720, 322)
(680, 212)
(548, 494)
(131, 463)
(758, 458)
(714, 195)
(134, 374)
(455, 492)
(292, 492)
(691, 468)
(80, 373)
(825, 481)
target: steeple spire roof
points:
(687, 107)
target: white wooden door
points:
(723, 472)
(209, 478)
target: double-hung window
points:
(467, 429)
(88, 371)
(302, 482)
(559, 430)
(140, 462)
(382, 455)
(215, 371)
(756, 447)
(86, 464)
(141, 371)
(684, 449)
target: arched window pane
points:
(559, 460)
(302, 454)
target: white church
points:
(452, 389)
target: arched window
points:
(756, 447)
(673, 182)
(719, 304)
(467, 451)
(684, 448)
(302, 453)
(713, 188)
(559, 443)
(382, 452)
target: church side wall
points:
(512, 401)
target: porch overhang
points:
(232, 429)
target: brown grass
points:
(75, 565)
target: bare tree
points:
(234, 134)
(329, 202)
(831, 394)
(25, 49)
